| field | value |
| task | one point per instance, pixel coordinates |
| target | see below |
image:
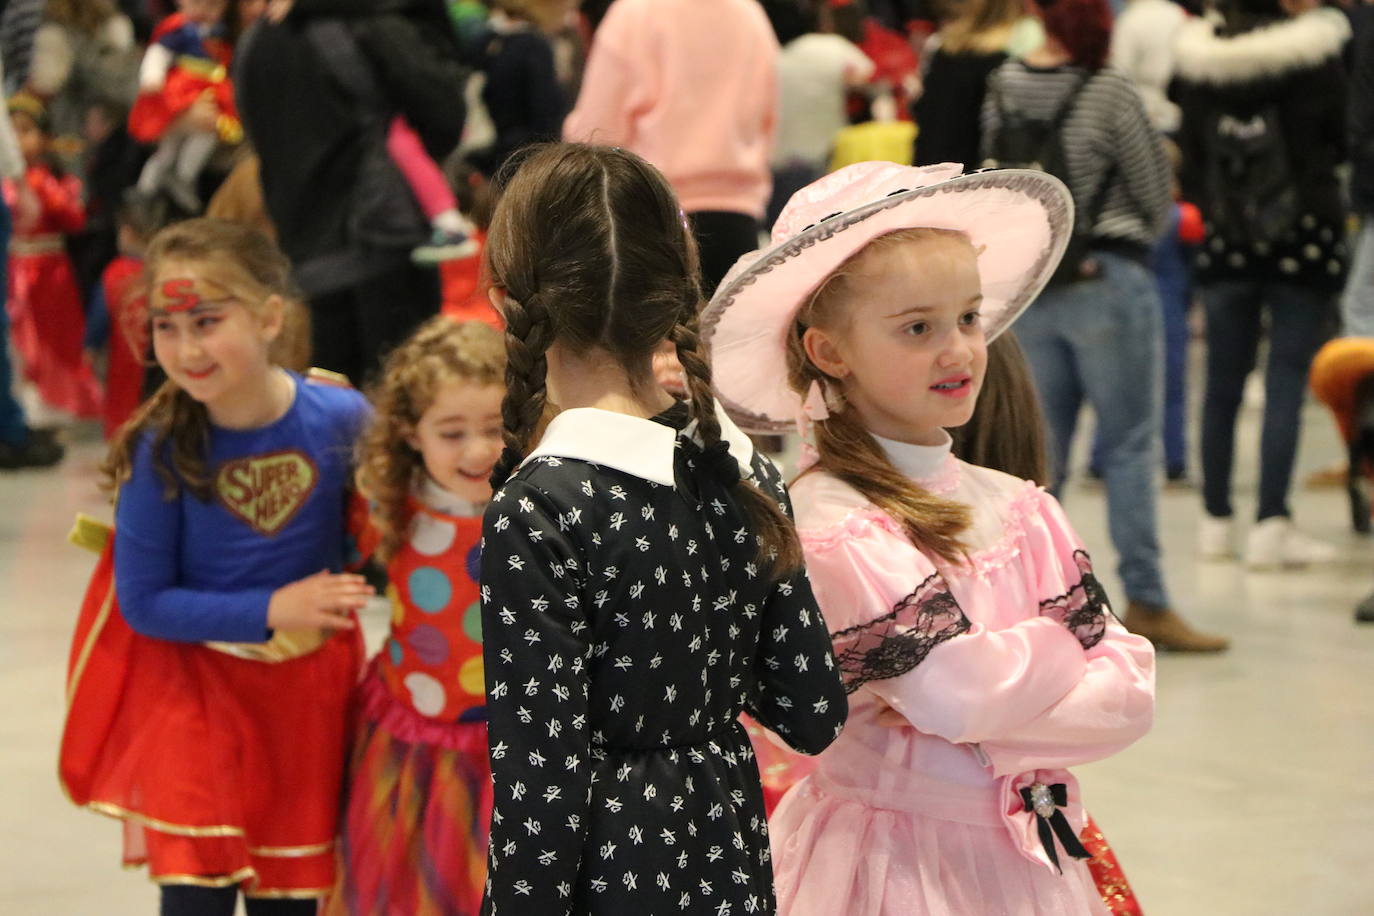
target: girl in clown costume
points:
(419, 798)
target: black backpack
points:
(1251, 191)
(1025, 142)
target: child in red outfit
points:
(121, 291)
(185, 102)
(419, 794)
(48, 323)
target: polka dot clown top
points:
(432, 661)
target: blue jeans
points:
(1298, 321)
(1099, 341)
(1169, 263)
(13, 428)
(1357, 303)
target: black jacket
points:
(522, 93)
(1294, 65)
(1361, 112)
(312, 134)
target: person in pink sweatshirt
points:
(690, 85)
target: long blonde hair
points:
(247, 262)
(847, 449)
(979, 24)
(441, 351)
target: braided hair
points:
(592, 251)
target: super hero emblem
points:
(266, 491)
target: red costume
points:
(143, 714)
(48, 320)
(190, 77)
(128, 308)
(464, 291)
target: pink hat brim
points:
(1019, 220)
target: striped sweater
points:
(1108, 137)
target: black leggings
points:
(191, 900)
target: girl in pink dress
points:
(959, 598)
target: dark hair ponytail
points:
(592, 251)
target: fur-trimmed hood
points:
(1202, 56)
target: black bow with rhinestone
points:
(1046, 802)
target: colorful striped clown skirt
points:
(416, 813)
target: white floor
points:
(1254, 794)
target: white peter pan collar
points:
(919, 462)
(634, 445)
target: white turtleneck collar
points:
(919, 462)
(435, 497)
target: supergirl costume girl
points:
(217, 742)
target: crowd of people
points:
(585, 263)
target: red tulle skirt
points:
(416, 815)
(224, 770)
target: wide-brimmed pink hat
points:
(1019, 221)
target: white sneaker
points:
(1275, 543)
(1216, 538)
(1264, 543)
(1301, 549)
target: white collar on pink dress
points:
(932, 466)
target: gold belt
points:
(37, 244)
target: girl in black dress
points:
(641, 578)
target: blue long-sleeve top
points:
(193, 571)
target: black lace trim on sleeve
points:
(1084, 608)
(897, 642)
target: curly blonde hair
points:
(441, 351)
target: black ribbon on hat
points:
(722, 465)
(1046, 803)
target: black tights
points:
(191, 900)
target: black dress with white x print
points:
(626, 625)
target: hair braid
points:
(529, 334)
(777, 535)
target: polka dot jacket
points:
(1312, 253)
(627, 622)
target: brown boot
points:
(1167, 630)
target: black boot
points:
(38, 450)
